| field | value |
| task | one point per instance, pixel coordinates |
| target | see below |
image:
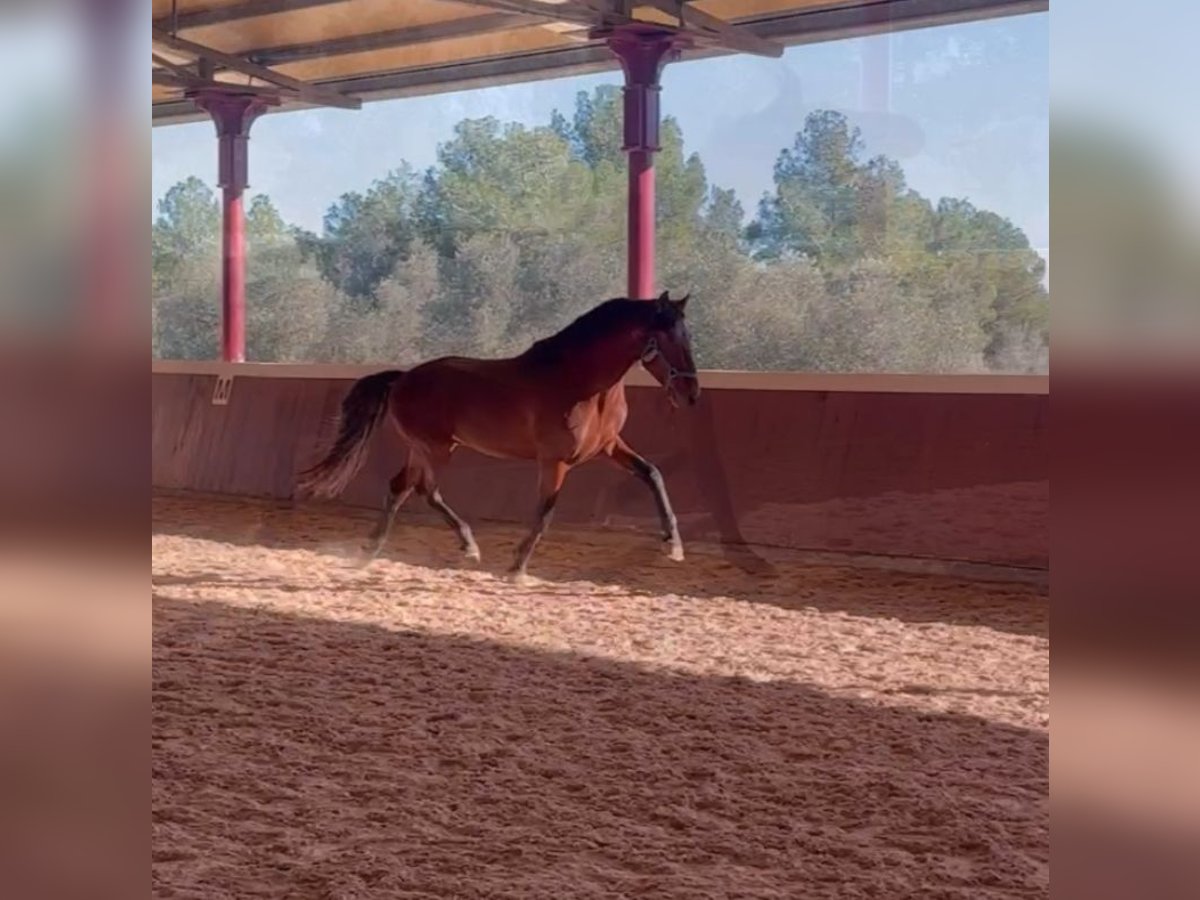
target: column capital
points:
(233, 113)
(643, 51)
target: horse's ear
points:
(682, 301)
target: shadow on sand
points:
(307, 758)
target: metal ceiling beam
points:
(252, 10)
(171, 80)
(311, 93)
(710, 29)
(489, 23)
(579, 59)
(883, 16)
(180, 70)
(196, 83)
(577, 12)
(601, 15)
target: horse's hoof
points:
(368, 552)
(520, 579)
(676, 552)
(473, 554)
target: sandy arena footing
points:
(625, 726)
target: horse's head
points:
(668, 353)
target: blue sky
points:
(966, 114)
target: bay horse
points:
(560, 403)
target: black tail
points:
(362, 411)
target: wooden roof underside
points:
(341, 52)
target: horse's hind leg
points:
(433, 456)
(400, 488)
(623, 456)
(550, 484)
(470, 548)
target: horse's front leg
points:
(647, 472)
(550, 482)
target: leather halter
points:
(673, 374)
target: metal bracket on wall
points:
(223, 389)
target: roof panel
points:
(348, 17)
(423, 56)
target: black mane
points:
(597, 321)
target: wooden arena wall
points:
(942, 467)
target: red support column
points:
(233, 276)
(643, 53)
(233, 114)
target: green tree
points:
(518, 229)
(761, 318)
(998, 271)
(288, 303)
(596, 129)
(366, 234)
(188, 224)
(909, 286)
(478, 312)
(186, 272)
(511, 179)
(724, 213)
(814, 211)
(396, 330)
